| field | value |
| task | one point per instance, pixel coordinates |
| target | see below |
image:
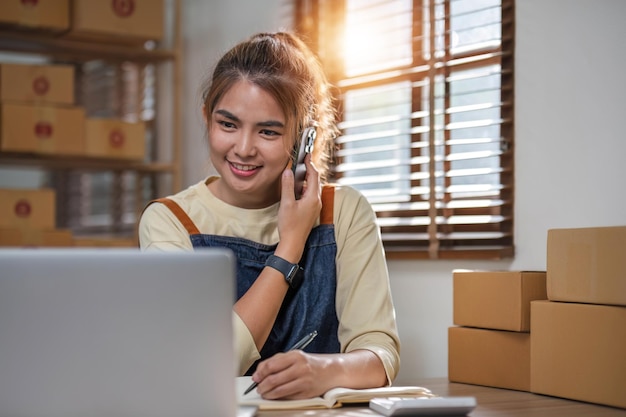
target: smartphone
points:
(300, 150)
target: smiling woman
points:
(300, 262)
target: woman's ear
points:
(205, 116)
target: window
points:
(425, 91)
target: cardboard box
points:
(494, 358)
(113, 138)
(578, 351)
(105, 242)
(15, 237)
(496, 299)
(52, 84)
(50, 15)
(587, 265)
(27, 208)
(122, 21)
(42, 129)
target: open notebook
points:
(333, 398)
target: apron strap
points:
(328, 203)
(180, 214)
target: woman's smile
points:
(244, 170)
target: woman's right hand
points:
(296, 218)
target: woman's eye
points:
(226, 124)
(266, 132)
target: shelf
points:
(83, 163)
(54, 44)
(88, 202)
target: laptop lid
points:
(99, 332)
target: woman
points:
(263, 93)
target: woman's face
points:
(247, 148)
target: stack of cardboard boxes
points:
(578, 344)
(27, 219)
(36, 116)
(490, 344)
(559, 333)
(122, 21)
(39, 115)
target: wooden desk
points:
(492, 402)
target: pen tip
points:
(250, 388)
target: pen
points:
(304, 342)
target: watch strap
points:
(292, 272)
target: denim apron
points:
(305, 309)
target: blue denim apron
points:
(311, 306)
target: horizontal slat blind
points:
(426, 100)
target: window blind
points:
(425, 93)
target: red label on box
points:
(123, 8)
(29, 3)
(116, 138)
(41, 85)
(22, 208)
(43, 130)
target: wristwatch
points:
(293, 272)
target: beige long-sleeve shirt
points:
(363, 300)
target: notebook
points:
(112, 332)
(333, 398)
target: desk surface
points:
(492, 402)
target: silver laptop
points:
(99, 332)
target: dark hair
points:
(281, 64)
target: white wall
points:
(210, 28)
(570, 145)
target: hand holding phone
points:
(300, 150)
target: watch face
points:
(292, 272)
(295, 277)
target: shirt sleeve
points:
(365, 307)
(246, 352)
(159, 229)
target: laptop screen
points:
(99, 332)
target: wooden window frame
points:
(320, 22)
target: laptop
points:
(116, 332)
